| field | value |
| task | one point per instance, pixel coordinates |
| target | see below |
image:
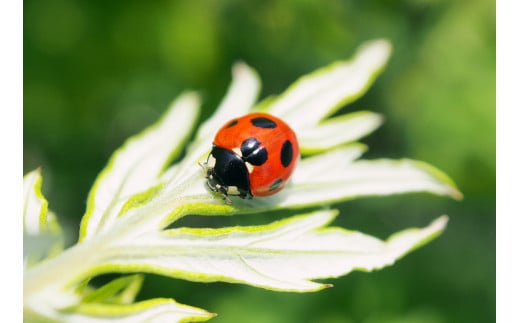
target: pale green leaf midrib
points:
(151, 252)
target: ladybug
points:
(253, 155)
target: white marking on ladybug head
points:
(249, 167)
(211, 162)
(237, 151)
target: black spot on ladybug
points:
(232, 123)
(262, 122)
(276, 184)
(253, 152)
(286, 154)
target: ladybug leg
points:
(227, 200)
(224, 191)
(218, 188)
(204, 167)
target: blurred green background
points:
(96, 72)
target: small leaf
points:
(238, 101)
(42, 232)
(135, 166)
(285, 255)
(338, 131)
(35, 205)
(118, 291)
(323, 178)
(321, 93)
(154, 310)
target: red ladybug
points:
(253, 155)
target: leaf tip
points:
(378, 50)
(189, 97)
(240, 70)
(440, 223)
(202, 317)
(456, 194)
(449, 186)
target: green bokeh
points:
(96, 72)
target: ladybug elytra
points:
(253, 155)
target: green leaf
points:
(330, 177)
(119, 291)
(137, 196)
(338, 131)
(285, 255)
(238, 101)
(319, 94)
(135, 167)
(35, 205)
(154, 310)
(42, 233)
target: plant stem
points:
(78, 262)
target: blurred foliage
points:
(96, 72)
